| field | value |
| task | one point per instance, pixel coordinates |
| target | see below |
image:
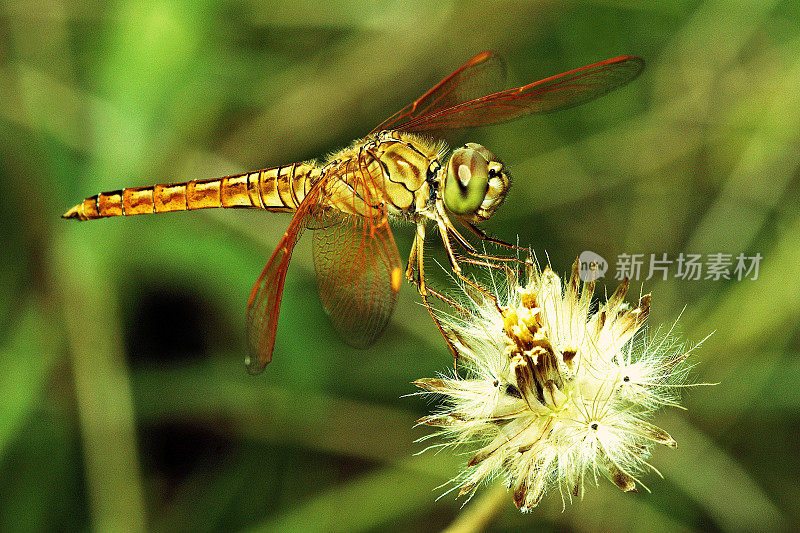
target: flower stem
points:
(480, 513)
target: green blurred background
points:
(124, 403)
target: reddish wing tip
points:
(629, 59)
(483, 56)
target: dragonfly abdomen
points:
(274, 189)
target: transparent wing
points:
(355, 256)
(358, 274)
(483, 74)
(358, 267)
(551, 94)
(264, 304)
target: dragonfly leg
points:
(461, 240)
(463, 311)
(490, 257)
(483, 236)
(415, 271)
(436, 321)
(411, 270)
(466, 244)
(455, 264)
(482, 263)
(448, 246)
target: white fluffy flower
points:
(554, 392)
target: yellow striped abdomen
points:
(273, 189)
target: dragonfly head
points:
(475, 183)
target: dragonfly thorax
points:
(411, 167)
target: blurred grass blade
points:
(256, 410)
(766, 167)
(37, 101)
(370, 501)
(742, 327)
(719, 483)
(101, 384)
(24, 365)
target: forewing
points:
(483, 74)
(264, 304)
(551, 94)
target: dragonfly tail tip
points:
(74, 213)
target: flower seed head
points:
(555, 391)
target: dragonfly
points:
(399, 171)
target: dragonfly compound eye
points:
(487, 155)
(466, 182)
